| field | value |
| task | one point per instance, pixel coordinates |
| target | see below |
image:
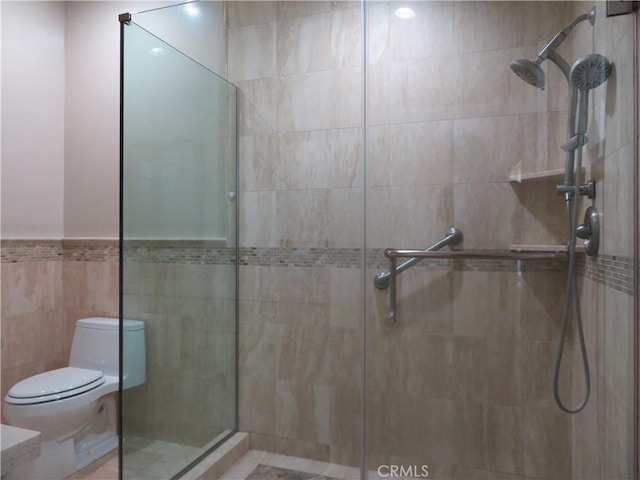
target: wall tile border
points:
(616, 272)
(30, 250)
(48, 250)
(91, 250)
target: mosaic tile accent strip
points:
(202, 253)
(91, 250)
(82, 250)
(267, 472)
(615, 272)
(302, 257)
(21, 251)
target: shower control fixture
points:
(586, 190)
(589, 231)
(585, 74)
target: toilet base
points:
(93, 447)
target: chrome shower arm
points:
(590, 15)
(550, 47)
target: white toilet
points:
(74, 407)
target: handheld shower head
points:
(530, 72)
(590, 71)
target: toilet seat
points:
(55, 385)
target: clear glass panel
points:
(298, 66)
(179, 255)
(192, 28)
(462, 385)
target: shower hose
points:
(572, 302)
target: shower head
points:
(590, 71)
(529, 71)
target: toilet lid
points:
(55, 385)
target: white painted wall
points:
(33, 82)
(60, 110)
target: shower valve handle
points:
(583, 231)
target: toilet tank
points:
(96, 346)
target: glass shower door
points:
(178, 228)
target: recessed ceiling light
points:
(191, 10)
(404, 13)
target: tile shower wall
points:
(463, 382)
(298, 67)
(47, 285)
(486, 407)
(603, 433)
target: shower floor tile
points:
(254, 465)
(145, 460)
(267, 472)
(247, 468)
(154, 459)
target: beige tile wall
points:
(603, 434)
(43, 299)
(439, 98)
(463, 382)
(298, 67)
(486, 145)
(34, 334)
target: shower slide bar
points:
(383, 280)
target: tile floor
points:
(154, 459)
(149, 460)
(244, 467)
(159, 468)
(267, 472)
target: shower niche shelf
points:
(541, 176)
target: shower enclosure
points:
(179, 252)
(464, 381)
(373, 132)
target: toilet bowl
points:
(74, 408)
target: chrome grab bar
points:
(383, 279)
(476, 255)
